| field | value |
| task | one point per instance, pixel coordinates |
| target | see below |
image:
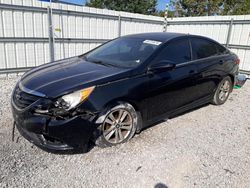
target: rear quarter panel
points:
(212, 70)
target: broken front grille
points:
(23, 99)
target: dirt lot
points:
(208, 147)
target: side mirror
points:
(162, 66)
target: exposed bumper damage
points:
(52, 132)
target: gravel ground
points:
(208, 147)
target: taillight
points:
(237, 61)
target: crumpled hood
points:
(61, 77)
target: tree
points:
(210, 7)
(197, 7)
(135, 6)
(178, 8)
(161, 13)
(236, 7)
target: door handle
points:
(192, 71)
(221, 62)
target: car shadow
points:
(160, 185)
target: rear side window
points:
(221, 49)
(177, 51)
(203, 48)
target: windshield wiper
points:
(101, 63)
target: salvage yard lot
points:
(208, 147)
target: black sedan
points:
(119, 88)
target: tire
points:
(222, 92)
(120, 121)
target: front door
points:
(172, 89)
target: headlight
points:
(71, 100)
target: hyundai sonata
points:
(110, 93)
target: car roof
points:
(158, 36)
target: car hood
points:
(64, 76)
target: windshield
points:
(123, 52)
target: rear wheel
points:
(119, 125)
(223, 90)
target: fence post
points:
(119, 25)
(229, 32)
(62, 30)
(165, 19)
(51, 35)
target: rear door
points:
(170, 90)
(210, 58)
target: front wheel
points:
(223, 90)
(119, 125)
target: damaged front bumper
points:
(52, 133)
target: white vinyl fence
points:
(24, 31)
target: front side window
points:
(124, 52)
(177, 51)
(203, 48)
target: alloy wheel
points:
(224, 90)
(117, 126)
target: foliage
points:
(196, 7)
(135, 6)
(210, 7)
(178, 8)
(236, 7)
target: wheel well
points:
(232, 78)
(115, 102)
